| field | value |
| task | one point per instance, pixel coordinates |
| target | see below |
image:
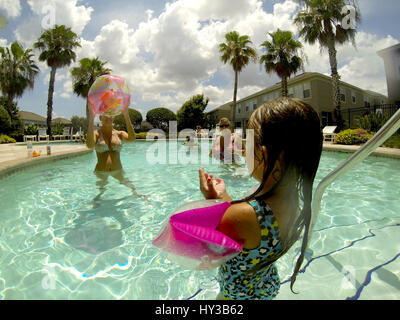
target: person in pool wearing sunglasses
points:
(228, 146)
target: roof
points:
(298, 78)
(61, 120)
(25, 115)
(376, 94)
(224, 107)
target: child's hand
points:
(212, 188)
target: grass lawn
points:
(393, 142)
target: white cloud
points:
(11, 7)
(174, 55)
(3, 42)
(65, 12)
(67, 92)
(363, 67)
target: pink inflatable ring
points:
(191, 239)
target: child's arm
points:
(241, 224)
(91, 135)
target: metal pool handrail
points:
(377, 140)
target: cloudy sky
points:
(168, 50)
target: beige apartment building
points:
(315, 89)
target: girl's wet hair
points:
(292, 128)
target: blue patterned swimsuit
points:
(265, 283)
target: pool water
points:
(60, 239)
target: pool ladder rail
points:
(390, 127)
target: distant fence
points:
(352, 116)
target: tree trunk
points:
(87, 112)
(234, 101)
(50, 99)
(336, 84)
(284, 86)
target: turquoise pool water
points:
(58, 241)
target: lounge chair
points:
(78, 136)
(42, 134)
(67, 133)
(329, 134)
(57, 136)
(30, 138)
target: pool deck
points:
(14, 157)
(379, 152)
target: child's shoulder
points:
(240, 223)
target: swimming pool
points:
(57, 241)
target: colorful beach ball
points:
(109, 95)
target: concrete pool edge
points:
(12, 166)
(379, 152)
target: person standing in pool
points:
(287, 151)
(108, 144)
(228, 146)
(199, 132)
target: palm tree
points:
(85, 75)
(57, 49)
(281, 56)
(321, 21)
(17, 71)
(238, 52)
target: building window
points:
(306, 90)
(254, 106)
(353, 97)
(342, 94)
(291, 92)
(247, 108)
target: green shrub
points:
(58, 128)
(393, 142)
(5, 120)
(16, 135)
(141, 135)
(134, 115)
(6, 139)
(30, 130)
(160, 117)
(353, 137)
(373, 122)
